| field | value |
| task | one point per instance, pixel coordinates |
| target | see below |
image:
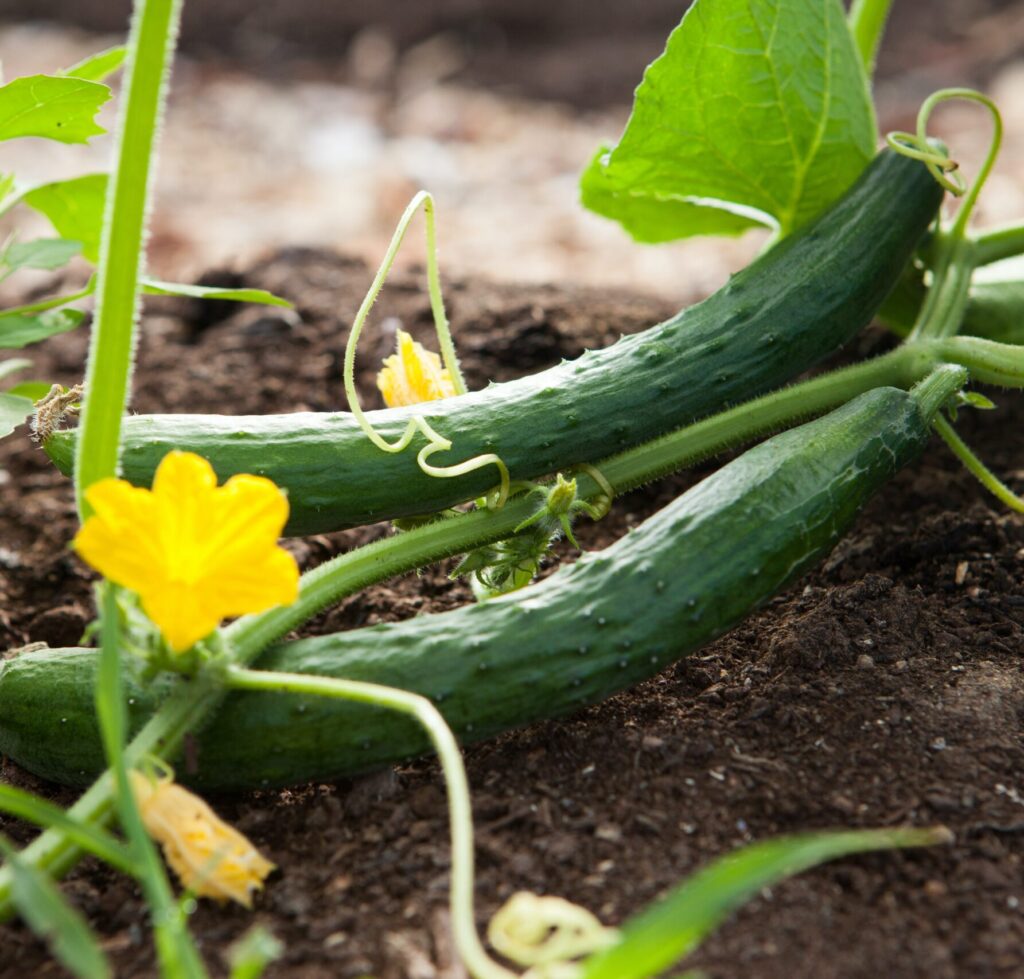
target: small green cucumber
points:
(613, 618)
(797, 303)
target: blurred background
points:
(312, 122)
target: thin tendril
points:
(917, 147)
(418, 423)
(976, 467)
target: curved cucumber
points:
(797, 303)
(613, 618)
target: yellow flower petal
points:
(271, 580)
(245, 518)
(183, 488)
(210, 857)
(413, 375)
(120, 541)
(182, 612)
(194, 553)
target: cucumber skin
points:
(610, 620)
(799, 302)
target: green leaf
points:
(12, 366)
(19, 329)
(253, 952)
(674, 926)
(648, 218)
(13, 412)
(91, 838)
(759, 109)
(63, 109)
(74, 208)
(33, 390)
(49, 915)
(97, 66)
(43, 253)
(155, 287)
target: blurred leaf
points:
(760, 109)
(12, 366)
(91, 838)
(33, 390)
(674, 926)
(63, 109)
(253, 952)
(19, 329)
(74, 208)
(156, 288)
(97, 66)
(50, 916)
(6, 191)
(43, 253)
(14, 409)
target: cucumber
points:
(800, 301)
(613, 618)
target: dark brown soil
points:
(884, 689)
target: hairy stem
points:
(998, 244)
(122, 243)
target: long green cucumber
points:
(800, 301)
(613, 618)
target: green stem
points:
(976, 467)
(122, 243)
(176, 950)
(460, 810)
(942, 311)
(194, 700)
(994, 246)
(867, 24)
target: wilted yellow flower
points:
(412, 375)
(195, 553)
(210, 858)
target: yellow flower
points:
(210, 858)
(195, 553)
(412, 375)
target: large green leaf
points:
(14, 409)
(49, 915)
(673, 927)
(759, 109)
(647, 217)
(63, 109)
(19, 329)
(42, 253)
(74, 208)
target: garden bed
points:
(886, 688)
